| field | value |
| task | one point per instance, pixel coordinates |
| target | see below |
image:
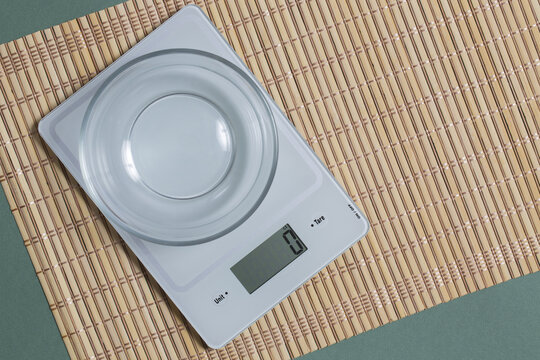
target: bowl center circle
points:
(180, 146)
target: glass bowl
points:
(178, 147)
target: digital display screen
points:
(269, 258)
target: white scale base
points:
(302, 190)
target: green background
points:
(502, 322)
(21, 17)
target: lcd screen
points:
(269, 258)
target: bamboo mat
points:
(425, 111)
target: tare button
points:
(318, 220)
(220, 298)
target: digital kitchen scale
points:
(203, 177)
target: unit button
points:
(220, 298)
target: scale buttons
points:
(318, 220)
(220, 298)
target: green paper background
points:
(22, 17)
(502, 322)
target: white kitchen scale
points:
(203, 176)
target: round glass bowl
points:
(178, 147)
